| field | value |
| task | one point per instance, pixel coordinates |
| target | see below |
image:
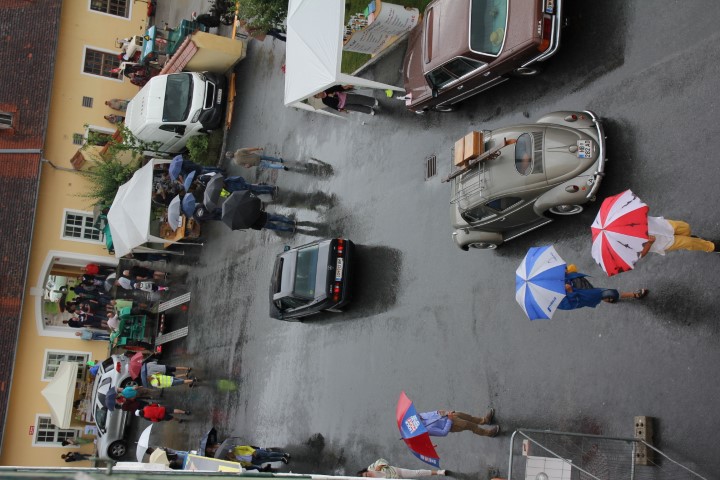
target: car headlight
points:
(196, 117)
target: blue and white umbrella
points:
(175, 167)
(540, 282)
(189, 180)
(189, 204)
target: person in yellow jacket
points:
(159, 380)
(249, 456)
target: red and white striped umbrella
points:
(619, 232)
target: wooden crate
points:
(473, 145)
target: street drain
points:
(430, 166)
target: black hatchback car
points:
(311, 279)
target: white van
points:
(172, 108)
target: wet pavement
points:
(443, 324)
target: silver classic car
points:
(527, 175)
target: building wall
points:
(60, 189)
(81, 28)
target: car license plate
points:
(219, 96)
(584, 149)
(549, 6)
(339, 270)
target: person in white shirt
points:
(382, 469)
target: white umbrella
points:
(174, 218)
(60, 394)
(143, 443)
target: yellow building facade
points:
(63, 238)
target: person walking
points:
(158, 413)
(246, 157)
(117, 104)
(236, 183)
(441, 422)
(75, 456)
(124, 283)
(180, 167)
(87, 334)
(247, 456)
(141, 273)
(154, 367)
(273, 221)
(581, 293)
(77, 441)
(161, 380)
(150, 287)
(381, 468)
(669, 235)
(339, 99)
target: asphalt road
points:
(443, 324)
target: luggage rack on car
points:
(469, 188)
(472, 168)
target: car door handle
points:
(460, 87)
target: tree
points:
(262, 15)
(114, 165)
(105, 176)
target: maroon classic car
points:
(463, 47)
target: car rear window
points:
(305, 272)
(524, 154)
(107, 364)
(178, 97)
(487, 25)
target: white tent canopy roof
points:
(60, 393)
(314, 50)
(129, 215)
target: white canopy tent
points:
(129, 215)
(314, 52)
(60, 393)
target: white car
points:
(110, 424)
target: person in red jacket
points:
(158, 413)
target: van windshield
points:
(178, 97)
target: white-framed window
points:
(99, 62)
(99, 136)
(54, 357)
(78, 226)
(117, 8)
(6, 119)
(48, 435)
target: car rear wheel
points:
(526, 71)
(128, 382)
(443, 108)
(117, 450)
(566, 209)
(483, 245)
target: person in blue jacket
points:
(441, 422)
(581, 293)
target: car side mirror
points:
(435, 93)
(286, 248)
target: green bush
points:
(197, 147)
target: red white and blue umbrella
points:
(414, 433)
(540, 282)
(619, 232)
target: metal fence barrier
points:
(549, 455)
